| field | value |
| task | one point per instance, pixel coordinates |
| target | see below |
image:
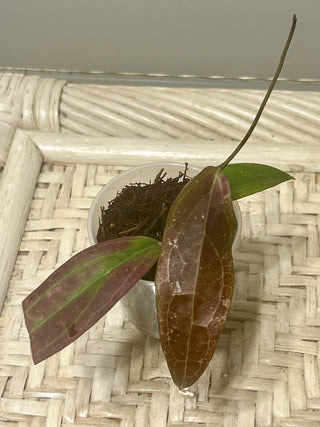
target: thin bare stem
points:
(263, 104)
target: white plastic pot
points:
(139, 303)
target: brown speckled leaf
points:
(82, 290)
(195, 275)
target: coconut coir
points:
(141, 209)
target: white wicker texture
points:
(28, 102)
(184, 113)
(265, 371)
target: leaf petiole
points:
(267, 95)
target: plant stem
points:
(263, 104)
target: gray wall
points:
(230, 38)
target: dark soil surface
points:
(141, 209)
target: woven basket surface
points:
(211, 113)
(265, 370)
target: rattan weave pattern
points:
(265, 369)
(29, 102)
(211, 113)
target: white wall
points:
(203, 37)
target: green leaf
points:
(195, 275)
(82, 290)
(250, 178)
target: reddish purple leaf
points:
(195, 276)
(83, 289)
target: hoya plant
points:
(194, 279)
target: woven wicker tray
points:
(265, 370)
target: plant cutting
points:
(194, 277)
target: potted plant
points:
(194, 279)
(145, 206)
